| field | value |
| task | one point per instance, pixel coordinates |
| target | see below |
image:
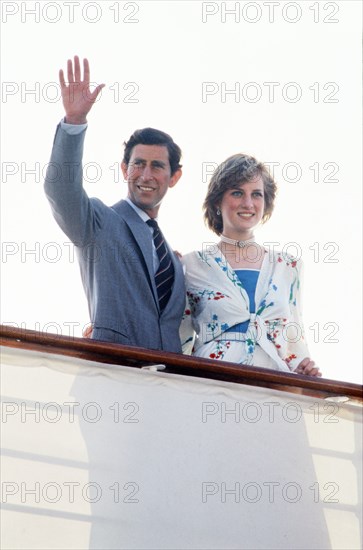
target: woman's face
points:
(242, 208)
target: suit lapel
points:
(142, 236)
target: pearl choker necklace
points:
(241, 244)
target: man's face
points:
(149, 176)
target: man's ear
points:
(175, 177)
(124, 169)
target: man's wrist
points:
(73, 129)
(75, 120)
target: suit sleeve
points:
(72, 209)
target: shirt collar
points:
(138, 210)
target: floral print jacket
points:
(217, 301)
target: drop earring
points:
(218, 212)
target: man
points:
(133, 281)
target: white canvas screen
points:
(101, 456)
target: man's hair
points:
(150, 136)
(230, 174)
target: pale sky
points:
(278, 80)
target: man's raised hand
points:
(77, 96)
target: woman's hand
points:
(307, 367)
(77, 96)
(87, 331)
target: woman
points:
(244, 299)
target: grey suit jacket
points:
(114, 248)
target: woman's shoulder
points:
(286, 266)
(191, 257)
(200, 260)
(283, 258)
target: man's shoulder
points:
(120, 207)
(106, 212)
(122, 210)
(125, 211)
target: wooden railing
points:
(130, 356)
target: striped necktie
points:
(164, 276)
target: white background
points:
(164, 52)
